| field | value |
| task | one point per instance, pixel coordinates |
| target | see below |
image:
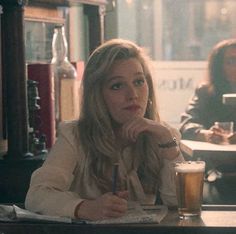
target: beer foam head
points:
(190, 166)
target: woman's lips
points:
(132, 108)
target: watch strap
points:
(169, 144)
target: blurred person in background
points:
(204, 109)
(206, 106)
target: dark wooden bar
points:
(17, 163)
(96, 25)
(14, 79)
(210, 222)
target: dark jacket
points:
(202, 111)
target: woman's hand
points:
(132, 128)
(106, 206)
(232, 138)
(135, 126)
(216, 136)
(209, 135)
(223, 135)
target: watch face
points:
(169, 144)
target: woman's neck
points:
(120, 140)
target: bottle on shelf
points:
(65, 80)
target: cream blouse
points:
(58, 186)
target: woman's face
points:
(230, 64)
(125, 90)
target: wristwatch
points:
(169, 144)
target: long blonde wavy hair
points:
(96, 127)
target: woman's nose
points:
(132, 92)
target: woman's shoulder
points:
(68, 125)
(68, 129)
(202, 89)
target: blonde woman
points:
(119, 123)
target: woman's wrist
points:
(78, 213)
(203, 135)
(162, 133)
(170, 149)
(170, 153)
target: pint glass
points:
(189, 187)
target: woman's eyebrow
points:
(120, 76)
(115, 77)
(139, 73)
(112, 78)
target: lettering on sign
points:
(180, 83)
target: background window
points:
(178, 35)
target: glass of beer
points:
(225, 129)
(189, 187)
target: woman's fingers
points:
(123, 194)
(113, 205)
(232, 138)
(106, 206)
(216, 138)
(131, 129)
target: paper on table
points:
(138, 214)
(15, 213)
(135, 214)
(7, 213)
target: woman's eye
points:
(230, 61)
(116, 86)
(140, 82)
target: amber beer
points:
(189, 187)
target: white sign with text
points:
(175, 83)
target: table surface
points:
(211, 221)
(198, 148)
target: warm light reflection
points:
(129, 2)
(224, 11)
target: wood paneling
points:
(17, 166)
(43, 14)
(67, 2)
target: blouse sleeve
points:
(49, 191)
(168, 188)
